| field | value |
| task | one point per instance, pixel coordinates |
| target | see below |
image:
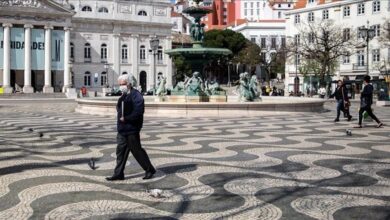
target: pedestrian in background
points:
(342, 101)
(366, 102)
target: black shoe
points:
(349, 118)
(115, 178)
(149, 174)
(336, 120)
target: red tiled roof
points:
(302, 3)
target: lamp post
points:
(154, 43)
(367, 33)
(106, 66)
(229, 69)
(296, 79)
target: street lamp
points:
(154, 43)
(229, 68)
(296, 79)
(367, 34)
(106, 66)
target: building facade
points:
(99, 40)
(351, 15)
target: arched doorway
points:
(142, 81)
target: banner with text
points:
(1, 48)
(37, 49)
(17, 48)
(57, 50)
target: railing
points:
(359, 66)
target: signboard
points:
(17, 48)
(57, 50)
(37, 49)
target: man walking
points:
(130, 117)
(366, 102)
(341, 96)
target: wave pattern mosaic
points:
(278, 166)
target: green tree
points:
(249, 55)
(225, 39)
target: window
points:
(310, 37)
(346, 11)
(103, 52)
(124, 53)
(142, 54)
(376, 6)
(279, 14)
(160, 55)
(346, 34)
(325, 14)
(245, 5)
(273, 43)
(124, 73)
(103, 10)
(71, 51)
(142, 13)
(283, 42)
(375, 55)
(103, 78)
(311, 1)
(251, 12)
(262, 42)
(263, 56)
(297, 19)
(377, 30)
(87, 52)
(360, 58)
(279, 5)
(86, 8)
(87, 79)
(297, 59)
(251, 4)
(346, 59)
(253, 39)
(297, 39)
(359, 32)
(289, 5)
(245, 12)
(360, 9)
(310, 17)
(71, 7)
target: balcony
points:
(359, 67)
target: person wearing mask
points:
(366, 102)
(342, 101)
(130, 117)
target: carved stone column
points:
(48, 87)
(7, 59)
(66, 59)
(27, 88)
(134, 56)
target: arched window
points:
(124, 53)
(71, 6)
(160, 55)
(87, 52)
(87, 79)
(103, 10)
(124, 73)
(142, 13)
(103, 79)
(71, 50)
(86, 8)
(103, 52)
(142, 54)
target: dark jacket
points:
(134, 108)
(338, 93)
(366, 96)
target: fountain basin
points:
(232, 108)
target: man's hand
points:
(122, 119)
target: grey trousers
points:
(125, 145)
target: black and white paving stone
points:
(278, 166)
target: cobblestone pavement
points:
(279, 166)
